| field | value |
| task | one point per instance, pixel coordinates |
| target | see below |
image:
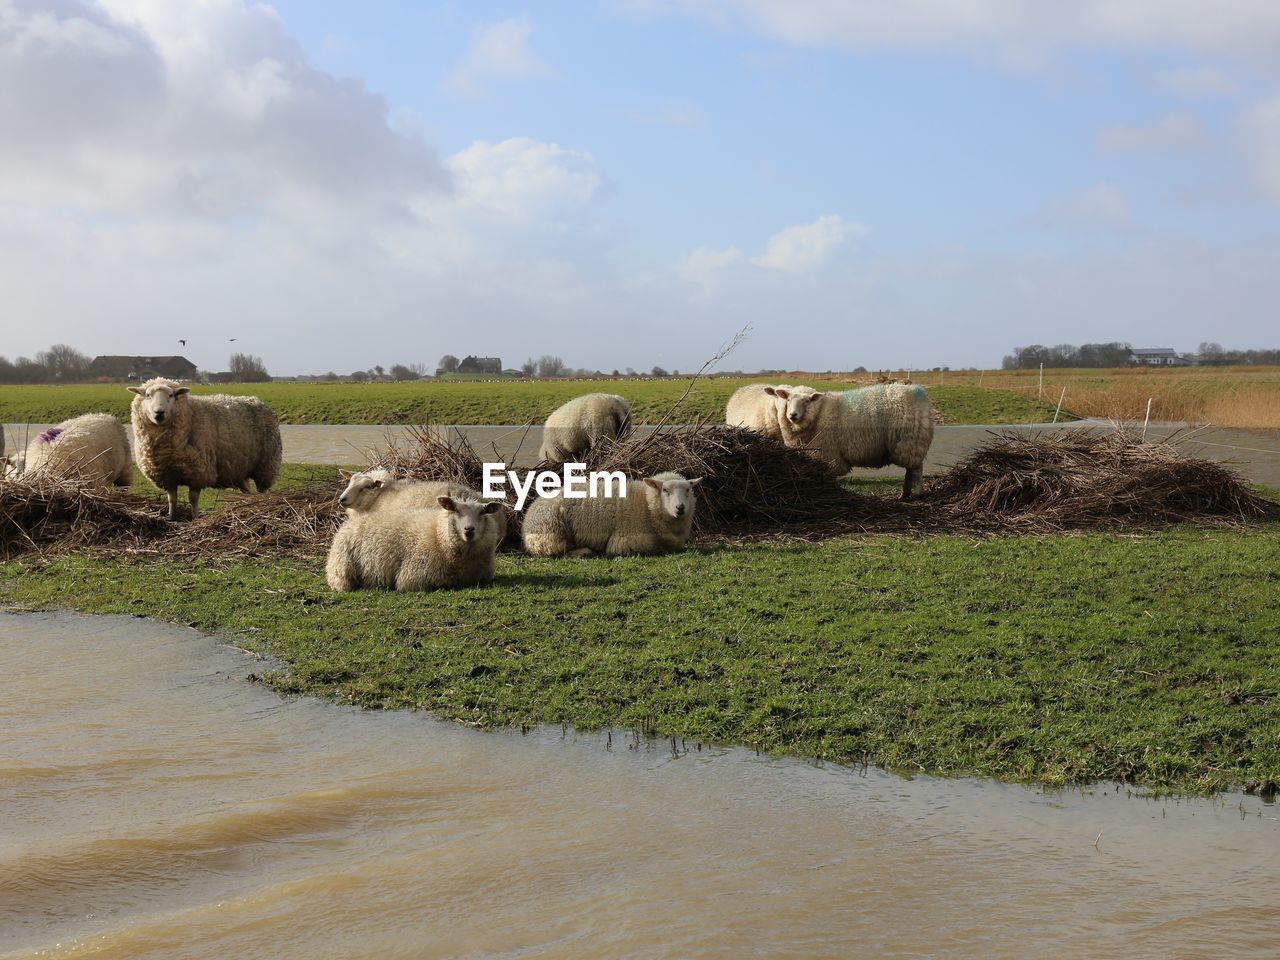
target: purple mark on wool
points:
(49, 435)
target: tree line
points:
(1117, 354)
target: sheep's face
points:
(676, 497)
(362, 490)
(471, 521)
(13, 466)
(158, 400)
(800, 405)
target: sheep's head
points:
(159, 398)
(471, 521)
(800, 404)
(675, 495)
(362, 489)
(13, 466)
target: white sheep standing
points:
(574, 426)
(420, 548)
(201, 442)
(757, 407)
(656, 516)
(92, 449)
(377, 490)
(867, 427)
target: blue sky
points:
(627, 183)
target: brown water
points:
(157, 805)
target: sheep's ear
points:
(653, 483)
(346, 474)
(781, 394)
(695, 481)
(770, 391)
(493, 506)
(448, 504)
(138, 390)
(181, 390)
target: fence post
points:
(1040, 392)
(1146, 420)
(1060, 399)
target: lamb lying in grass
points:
(656, 516)
(419, 548)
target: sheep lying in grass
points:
(757, 407)
(92, 449)
(378, 490)
(656, 516)
(419, 548)
(574, 426)
(200, 442)
(868, 427)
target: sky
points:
(628, 183)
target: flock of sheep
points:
(420, 535)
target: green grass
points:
(517, 401)
(1151, 659)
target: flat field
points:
(1226, 396)
(1151, 659)
(486, 402)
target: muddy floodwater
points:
(156, 804)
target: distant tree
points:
(359, 376)
(630, 371)
(616, 373)
(658, 372)
(379, 370)
(246, 368)
(448, 364)
(1212, 353)
(400, 372)
(63, 363)
(549, 366)
(675, 373)
(418, 369)
(529, 367)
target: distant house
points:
(481, 365)
(1158, 357)
(143, 368)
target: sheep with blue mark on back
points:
(874, 426)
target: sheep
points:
(574, 426)
(91, 449)
(378, 490)
(757, 407)
(199, 442)
(867, 427)
(419, 548)
(655, 516)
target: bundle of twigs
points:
(299, 521)
(1083, 478)
(39, 513)
(426, 455)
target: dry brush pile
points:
(754, 488)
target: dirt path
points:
(1255, 453)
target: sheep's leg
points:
(173, 503)
(193, 493)
(582, 552)
(913, 482)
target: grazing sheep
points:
(656, 516)
(377, 490)
(92, 449)
(868, 427)
(200, 442)
(574, 426)
(420, 548)
(757, 407)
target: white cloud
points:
(1173, 130)
(1017, 31)
(498, 51)
(804, 246)
(1262, 135)
(1196, 81)
(1100, 206)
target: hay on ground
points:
(39, 513)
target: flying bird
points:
(181, 341)
(231, 340)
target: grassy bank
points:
(469, 402)
(1055, 660)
